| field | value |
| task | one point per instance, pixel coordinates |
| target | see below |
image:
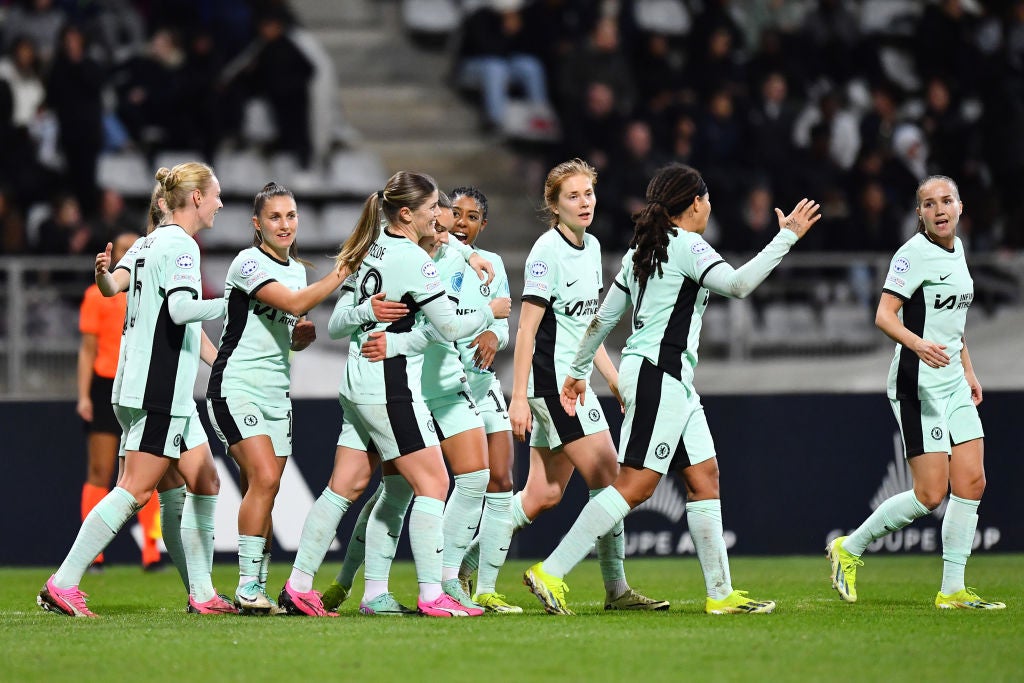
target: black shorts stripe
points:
(227, 424)
(154, 434)
(437, 429)
(408, 436)
(645, 414)
(568, 427)
(910, 419)
(103, 419)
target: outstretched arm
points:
(737, 283)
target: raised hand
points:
(802, 217)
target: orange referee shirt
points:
(104, 317)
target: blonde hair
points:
(156, 213)
(553, 184)
(920, 185)
(404, 189)
(181, 181)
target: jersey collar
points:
(580, 247)
(931, 241)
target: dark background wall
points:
(794, 469)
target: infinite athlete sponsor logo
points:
(250, 420)
(537, 269)
(954, 301)
(699, 247)
(936, 433)
(429, 270)
(457, 282)
(662, 451)
(583, 307)
(249, 267)
(185, 261)
(901, 264)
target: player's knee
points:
(930, 497)
(500, 482)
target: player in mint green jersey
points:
(564, 280)
(934, 395)
(458, 422)
(666, 275)
(495, 532)
(248, 394)
(383, 401)
(153, 394)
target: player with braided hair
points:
(667, 275)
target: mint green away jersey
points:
(474, 295)
(443, 374)
(254, 355)
(567, 281)
(937, 290)
(159, 359)
(667, 311)
(404, 272)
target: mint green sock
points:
(384, 528)
(958, 526)
(318, 533)
(611, 551)
(493, 540)
(98, 530)
(471, 560)
(250, 558)
(603, 513)
(172, 502)
(704, 519)
(462, 519)
(894, 513)
(197, 522)
(355, 551)
(427, 542)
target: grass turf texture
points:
(893, 633)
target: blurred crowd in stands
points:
(848, 102)
(81, 78)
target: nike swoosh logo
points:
(439, 550)
(503, 550)
(570, 284)
(392, 535)
(943, 277)
(257, 561)
(471, 527)
(618, 534)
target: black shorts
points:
(103, 419)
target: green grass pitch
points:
(893, 634)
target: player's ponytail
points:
(670, 192)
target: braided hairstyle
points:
(671, 190)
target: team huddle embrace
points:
(424, 312)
